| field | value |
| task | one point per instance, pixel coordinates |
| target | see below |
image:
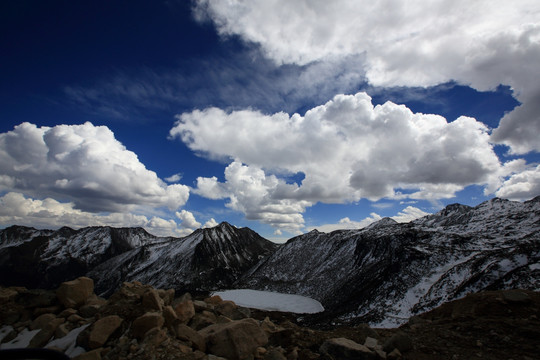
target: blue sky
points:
(281, 116)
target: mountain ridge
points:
(381, 274)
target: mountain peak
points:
(386, 221)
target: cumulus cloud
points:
(15, 208)
(84, 165)
(477, 43)
(210, 223)
(252, 192)
(347, 224)
(521, 186)
(173, 178)
(347, 149)
(188, 221)
(408, 214)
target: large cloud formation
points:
(406, 43)
(347, 149)
(83, 164)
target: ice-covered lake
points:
(265, 300)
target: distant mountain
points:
(381, 274)
(387, 272)
(45, 258)
(208, 259)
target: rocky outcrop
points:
(140, 322)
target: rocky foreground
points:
(140, 322)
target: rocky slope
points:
(387, 272)
(381, 275)
(45, 258)
(141, 322)
(208, 259)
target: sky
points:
(282, 116)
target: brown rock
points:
(102, 329)
(234, 340)
(216, 299)
(61, 331)
(151, 300)
(7, 295)
(143, 323)
(73, 294)
(185, 311)
(184, 332)
(170, 316)
(90, 355)
(42, 321)
(166, 295)
(67, 313)
(45, 334)
(394, 355)
(202, 320)
(341, 348)
(399, 341)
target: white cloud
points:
(210, 223)
(188, 220)
(521, 186)
(405, 43)
(347, 224)
(408, 214)
(173, 178)
(48, 213)
(253, 193)
(347, 149)
(84, 165)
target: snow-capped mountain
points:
(208, 259)
(45, 258)
(381, 274)
(387, 272)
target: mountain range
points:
(382, 274)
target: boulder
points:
(185, 311)
(143, 323)
(73, 294)
(202, 320)
(399, 341)
(234, 340)
(341, 348)
(151, 300)
(185, 333)
(102, 329)
(46, 333)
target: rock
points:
(7, 295)
(42, 321)
(399, 341)
(170, 316)
(61, 331)
(516, 296)
(67, 313)
(201, 306)
(234, 340)
(343, 349)
(274, 354)
(185, 311)
(73, 294)
(143, 323)
(151, 300)
(214, 300)
(184, 332)
(45, 334)
(90, 355)
(167, 296)
(202, 320)
(88, 311)
(371, 343)
(102, 329)
(394, 355)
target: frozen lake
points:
(265, 300)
